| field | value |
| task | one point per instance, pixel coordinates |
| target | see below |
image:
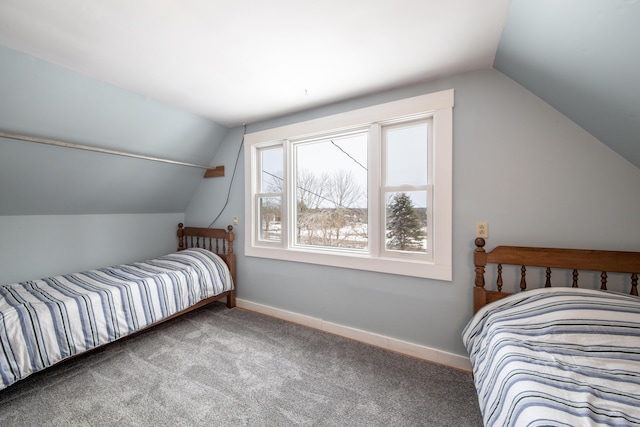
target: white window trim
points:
(383, 188)
(440, 105)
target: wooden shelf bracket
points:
(215, 172)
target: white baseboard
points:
(392, 344)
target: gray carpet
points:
(226, 367)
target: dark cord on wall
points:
(233, 175)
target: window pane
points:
(406, 223)
(407, 154)
(331, 192)
(271, 177)
(270, 218)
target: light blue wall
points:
(43, 100)
(36, 246)
(533, 174)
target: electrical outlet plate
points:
(482, 229)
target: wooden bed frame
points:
(572, 259)
(218, 241)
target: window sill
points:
(404, 267)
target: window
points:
(330, 181)
(269, 197)
(368, 189)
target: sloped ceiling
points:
(42, 100)
(583, 58)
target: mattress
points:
(45, 321)
(557, 356)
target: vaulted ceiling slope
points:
(43, 100)
(583, 58)
(167, 76)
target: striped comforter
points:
(45, 321)
(557, 357)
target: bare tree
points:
(327, 206)
(310, 189)
(345, 192)
(346, 195)
(273, 182)
(269, 214)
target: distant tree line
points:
(330, 212)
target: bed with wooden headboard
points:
(47, 321)
(547, 350)
(218, 241)
(575, 260)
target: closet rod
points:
(210, 172)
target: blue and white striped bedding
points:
(557, 357)
(45, 321)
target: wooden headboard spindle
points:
(603, 281)
(523, 279)
(634, 284)
(575, 279)
(223, 242)
(499, 281)
(547, 283)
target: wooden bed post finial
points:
(181, 246)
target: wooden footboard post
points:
(231, 299)
(480, 261)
